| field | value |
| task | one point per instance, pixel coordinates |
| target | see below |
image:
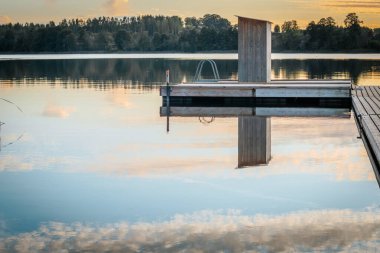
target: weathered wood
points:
(254, 50)
(254, 141)
(285, 90)
(255, 111)
(366, 105)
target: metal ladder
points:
(198, 72)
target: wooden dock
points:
(366, 105)
(273, 89)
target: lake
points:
(86, 163)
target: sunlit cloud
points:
(5, 19)
(353, 3)
(212, 231)
(119, 97)
(53, 110)
(14, 163)
(50, 1)
(346, 6)
(117, 7)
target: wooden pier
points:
(366, 105)
(254, 97)
(254, 74)
(272, 89)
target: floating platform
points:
(366, 105)
(340, 89)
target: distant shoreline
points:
(188, 56)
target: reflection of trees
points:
(321, 69)
(108, 72)
(148, 73)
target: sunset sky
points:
(276, 11)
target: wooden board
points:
(305, 89)
(366, 105)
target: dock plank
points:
(366, 105)
(273, 89)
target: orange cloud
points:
(5, 20)
(117, 7)
(53, 110)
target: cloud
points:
(353, 3)
(14, 163)
(119, 97)
(116, 7)
(5, 19)
(345, 6)
(212, 231)
(53, 110)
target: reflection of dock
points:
(366, 104)
(254, 141)
(254, 125)
(254, 111)
(254, 97)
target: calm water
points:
(86, 164)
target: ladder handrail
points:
(214, 68)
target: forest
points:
(172, 33)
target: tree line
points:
(172, 33)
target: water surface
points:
(87, 165)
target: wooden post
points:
(254, 50)
(254, 66)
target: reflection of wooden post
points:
(254, 141)
(254, 50)
(254, 66)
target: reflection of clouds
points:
(119, 97)
(53, 110)
(21, 163)
(161, 165)
(346, 163)
(320, 146)
(324, 146)
(13, 163)
(212, 231)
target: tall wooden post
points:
(254, 138)
(255, 48)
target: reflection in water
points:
(4, 104)
(254, 140)
(142, 73)
(108, 73)
(1, 144)
(212, 231)
(357, 71)
(98, 162)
